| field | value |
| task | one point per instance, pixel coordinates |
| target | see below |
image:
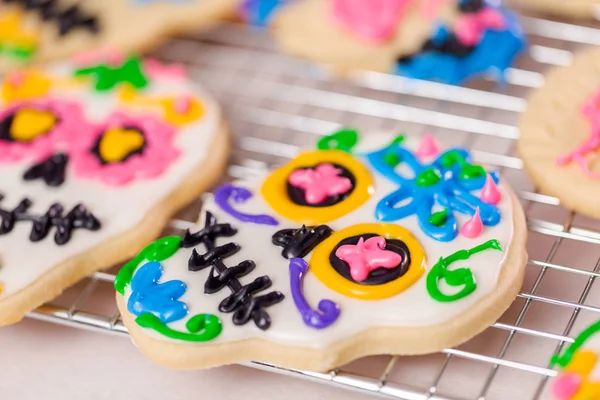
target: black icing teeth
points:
(51, 170)
(78, 218)
(244, 302)
(67, 18)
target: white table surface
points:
(39, 360)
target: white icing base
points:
(412, 308)
(119, 208)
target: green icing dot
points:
(472, 171)
(438, 218)
(429, 177)
(344, 140)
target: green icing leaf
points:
(159, 250)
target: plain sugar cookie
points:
(448, 41)
(350, 249)
(560, 134)
(95, 156)
(571, 8)
(43, 30)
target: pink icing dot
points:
(490, 193)
(470, 28)
(111, 57)
(366, 256)
(566, 385)
(428, 147)
(320, 183)
(372, 20)
(182, 104)
(473, 227)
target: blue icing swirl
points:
(447, 182)
(496, 51)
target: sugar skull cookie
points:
(560, 134)
(41, 30)
(350, 249)
(579, 369)
(95, 155)
(448, 41)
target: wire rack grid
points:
(276, 104)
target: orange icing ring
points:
(274, 189)
(322, 269)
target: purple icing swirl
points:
(240, 195)
(328, 310)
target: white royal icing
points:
(413, 307)
(119, 208)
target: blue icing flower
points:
(259, 12)
(160, 299)
(496, 51)
(447, 182)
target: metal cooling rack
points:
(276, 104)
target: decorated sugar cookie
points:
(560, 134)
(350, 249)
(95, 156)
(572, 9)
(579, 376)
(449, 41)
(41, 30)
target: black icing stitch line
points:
(300, 242)
(52, 170)
(471, 6)
(67, 18)
(78, 218)
(242, 301)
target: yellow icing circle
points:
(321, 267)
(116, 143)
(28, 124)
(274, 189)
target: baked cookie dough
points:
(33, 31)
(348, 250)
(560, 134)
(95, 156)
(448, 41)
(571, 8)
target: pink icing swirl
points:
(591, 111)
(320, 183)
(157, 155)
(366, 256)
(470, 28)
(71, 123)
(372, 20)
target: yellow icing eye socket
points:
(118, 144)
(318, 187)
(27, 124)
(380, 284)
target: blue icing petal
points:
(496, 51)
(159, 299)
(259, 12)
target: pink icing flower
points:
(156, 155)
(70, 123)
(372, 20)
(470, 28)
(320, 183)
(366, 256)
